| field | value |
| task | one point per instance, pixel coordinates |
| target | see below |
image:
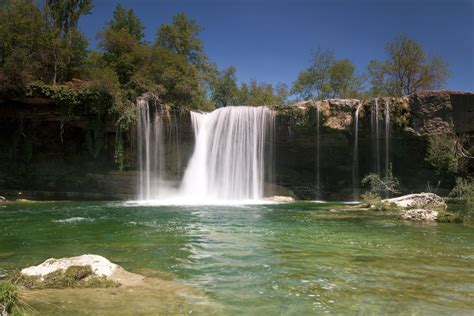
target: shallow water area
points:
(286, 258)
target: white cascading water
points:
(387, 138)
(318, 176)
(150, 148)
(228, 162)
(355, 162)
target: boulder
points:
(420, 201)
(100, 266)
(420, 215)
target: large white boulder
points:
(419, 200)
(100, 266)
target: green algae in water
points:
(295, 258)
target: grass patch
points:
(447, 217)
(72, 277)
(375, 202)
(10, 298)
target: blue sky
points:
(272, 40)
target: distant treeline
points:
(43, 46)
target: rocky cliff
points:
(43, 150)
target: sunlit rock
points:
(420, 215)
(419, 200)
(100, 266)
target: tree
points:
(121, 43)
(182, 38)
(65, 14)
(66, 46)
(21, 26)
(343, 82)
(407, 69)
(328, 77)
(225, 90)
(126, 20)
(313, 83)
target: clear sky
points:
(272, 40)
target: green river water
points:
(274, 259)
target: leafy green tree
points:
(123, 50)
(182, 38)
(328, 77)
(65, 14)
(173, 78)
(243, 95)
(21, 26)
(407, 69)
(344, 82)
(225, 90)
(313, 83)
(68, 45)
(124, 19)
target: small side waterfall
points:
(229, 156)
(150, 144)
(387, 138)
(355, 162)
(318, 177)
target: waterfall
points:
(228, 162)
(318, 183)
(355, 162)
(387, 137)
(375, 135)
(151, 160)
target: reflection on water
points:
(292, 258)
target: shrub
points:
(443, 155)
(463, 193)
(381, 185)
(376, 203)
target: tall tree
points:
(328, 77)
(68, 47)
(314, 83)
(124, 19)
(120, 41)
(182, 37)
(407, 69)
(225, 90)
(343, 82)
(21, 27)
(65, 14)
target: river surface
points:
(273, 259)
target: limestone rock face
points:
(419, 200)
(101, 266)
(338, 113)
(420, 215)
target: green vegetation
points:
(406, 70)
(10, 297)
(381, 185)
(375, 202)
(445, 156)
(72, 277)
(328, 77)
(463, 193)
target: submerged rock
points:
(100, 266)
(420, 215)
(419, 201)
(281, 198)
